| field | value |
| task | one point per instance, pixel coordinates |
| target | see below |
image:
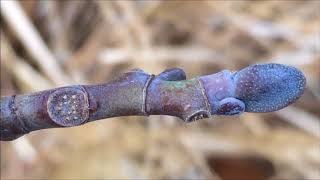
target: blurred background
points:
(46, 44)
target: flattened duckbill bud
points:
(257, 88)
(68, 106)
(268, 87)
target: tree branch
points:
(257, 88)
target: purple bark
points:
(257, 88)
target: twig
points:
(257, 88)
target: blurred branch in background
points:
(310, 123)
(23, 72)
(26, 32)
(48, 43)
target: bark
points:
(257, 88)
